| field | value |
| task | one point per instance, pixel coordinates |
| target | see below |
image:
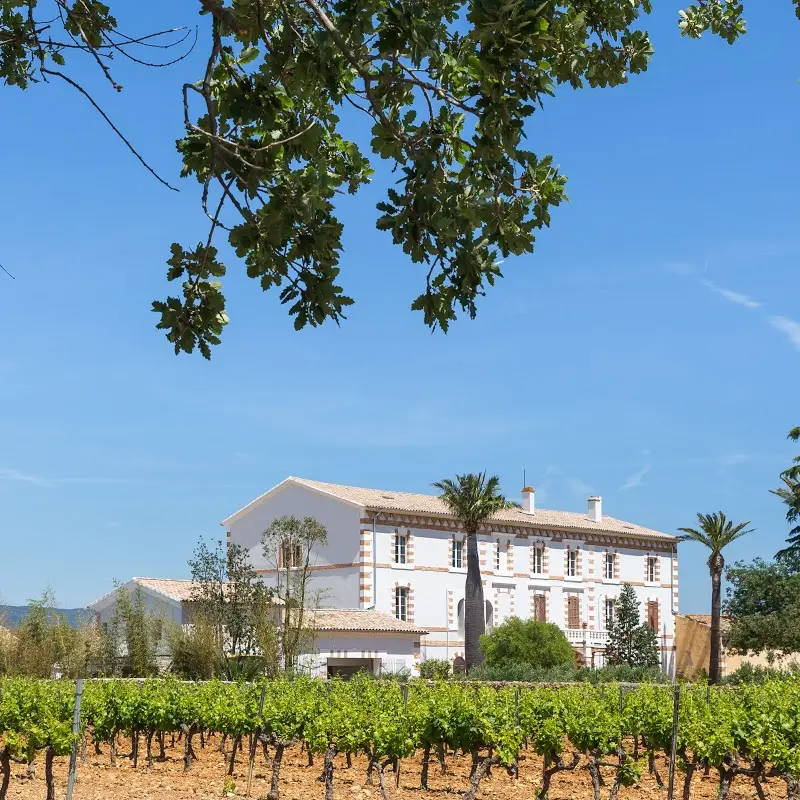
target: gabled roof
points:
(176, 589)
(413, 503)
(169, 588)
(360, 620)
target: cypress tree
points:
(631, 642)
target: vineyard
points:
(617, 739)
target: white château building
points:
(404, 554)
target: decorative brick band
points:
(450, 609)
(365, 571)
(423, 522)
(578, 560)
(409, 599)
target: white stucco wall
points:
(390, 653)
(336, 570)
(437, 588)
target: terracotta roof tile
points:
(178, 589)
(360, 620)
(174, 588)
(379, 499)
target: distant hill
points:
(11, 616)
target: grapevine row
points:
(752, 733)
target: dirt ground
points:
(166, 780)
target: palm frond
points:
(715, 531)
(472, 498)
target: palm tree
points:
(472, 499)
(716, 533)
(790, 494)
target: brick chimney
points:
(528, 500)
(595, 509)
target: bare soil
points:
(166, 780)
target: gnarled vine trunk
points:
(551, 767)
(328, 771)
(50, 780)
(274, 792)
(478, 775)
(5, 772)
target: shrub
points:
(531, 643)
(753, 673)
(622, 674)
(566, 673)
(435, 669)
(526, 673)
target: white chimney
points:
(528, 500)
(595, 509)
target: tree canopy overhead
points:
(444, 88)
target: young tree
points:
(133, 636)
(716, 532)
(288, 545)
(631, 642)
(764, 605)
(195, 655)
(230, 597)
(35, 643)
(443, 89)
(472, 500)
(539, 644)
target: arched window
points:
(461, 618)
(489, 616)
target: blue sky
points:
(647, 351)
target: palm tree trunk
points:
(716, 611)
(474, 613)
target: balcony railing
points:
(585, 636)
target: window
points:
(609, 611)
(539, 608)
(651, 569)
(401, 603)
(572, 563)
(538, 560)
(457, 561)
(573, 611)
(609, 566)
(290, 555)
(652, 614)
(400, 548)
(489, 615)
(497, 556)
